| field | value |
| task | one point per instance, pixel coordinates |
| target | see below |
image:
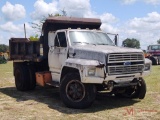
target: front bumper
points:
(115, 78)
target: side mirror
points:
(41, 39)
(116, 39)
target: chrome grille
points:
(115, 57)
(116, 70)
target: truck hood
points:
(98, 52)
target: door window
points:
(60, 40)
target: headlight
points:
(91, 72)
(147, 67)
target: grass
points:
(6, 74)
(45, 103)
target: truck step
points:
(53, 83)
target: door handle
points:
(51, 50)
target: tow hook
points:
(108, 86)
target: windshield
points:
(89, 37)
(155, 47)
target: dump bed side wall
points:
(23, 49)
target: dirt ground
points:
(45, 103)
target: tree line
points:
(4, 48)
(133, 43)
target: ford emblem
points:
(127, 63)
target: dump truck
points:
(75, 55)
(153, 52)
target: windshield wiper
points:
(81, 42)
(102, 44)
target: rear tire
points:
(75, 94)
(154, 61)
(21, 77)
(32, 77)
(24, 77)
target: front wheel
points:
(75, 94)
(138, 91)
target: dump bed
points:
(24, 49)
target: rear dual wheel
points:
(24, 77)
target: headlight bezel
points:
(92, 72)
(147, 67)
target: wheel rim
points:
(75, 90)
(132, 91)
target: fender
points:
(84, 65)
(147, 67)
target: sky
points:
(139, 19)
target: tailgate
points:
(24, 49)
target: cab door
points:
(58, 54)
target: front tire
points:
(138, 91)
(75, 94)
(141, 89)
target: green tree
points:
(57, 14)
(132, 43)
(34, 38)
(4, 48)
(158, 41)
